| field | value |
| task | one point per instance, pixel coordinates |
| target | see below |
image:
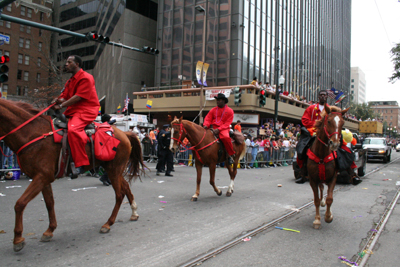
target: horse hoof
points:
(194, 199)
(329, 220)
(220, 193)
(228, 194)
(323, 203)
(317, 224)
(104, 230)
(19, 246)
(134, 218)
(46, 238)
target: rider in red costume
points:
(79, 96)
(221, 118)
(310, 116)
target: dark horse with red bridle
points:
(321, 164)
(39, 161)
(205, 148)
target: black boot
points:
(354, 178)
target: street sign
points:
(1, 42)
(5, 38)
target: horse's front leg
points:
(199, 169)
(30, 193)
(317, 221)
(232, 174)
(49, 200)
(329, 201)
(212, 168)
(321, 191)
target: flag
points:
(340, 98)
(149, 104)
(126, 103)
(100, 110)
(119, 108)
(332, 93)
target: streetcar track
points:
(210, 254)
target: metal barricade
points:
(279, 157)
(9, 160)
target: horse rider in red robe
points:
(79, 96)
(221, 118)
(310, 116)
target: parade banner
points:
(198, 71)
(138, 118)
(210, 94)
(205, 68)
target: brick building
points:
(28, 47)
(389, 111)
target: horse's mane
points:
(319, 123)
(27, 107)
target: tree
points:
(395, 51)
(363, 111)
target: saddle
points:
(236, 136)
(61, 136)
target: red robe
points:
(221, 119)
(80, 114)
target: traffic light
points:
(263, 94)
(237, 92)
(93, 36)
(4, 68)
(150, 50)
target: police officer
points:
(165, 154)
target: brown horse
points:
(39, 162)
(321, 165)
(205, 147)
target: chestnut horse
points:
(205, 147)
(321, 164)
(39, 161)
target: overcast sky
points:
(375, 30)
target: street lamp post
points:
(281, 82)
(202, 10)
(276, 63)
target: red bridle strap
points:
(181, 130)
(326, 131)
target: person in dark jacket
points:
(165, 154)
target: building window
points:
(19, 74)
(40, 46)
(23, 11)
(40, 32)
(28, 29)
(26, 76)
(8, 24)
(39, 61)
(9, 8)
(18, 90)
(38, 77)
(5, 88)
(26, 60)
(26, 89)
(6, 53)
(27, 43)
(29, 12)
(20, 58)
(21, 28)
(41, 16)
(1, 23)
(21, 42)
(352, 86)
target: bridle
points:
(326, 131)
(183, 130)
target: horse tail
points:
(243, 145)
(135, 166)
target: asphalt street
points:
(172, 230)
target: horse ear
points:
(344, 111)
(180, 119)
(327, 109)
(175, 117)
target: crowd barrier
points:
(280, 157)
(8, 162)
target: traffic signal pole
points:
(55, 29)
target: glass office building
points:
(308, 42)
(86, 16)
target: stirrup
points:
(74, 171)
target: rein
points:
(181, 130)
(25, 123)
